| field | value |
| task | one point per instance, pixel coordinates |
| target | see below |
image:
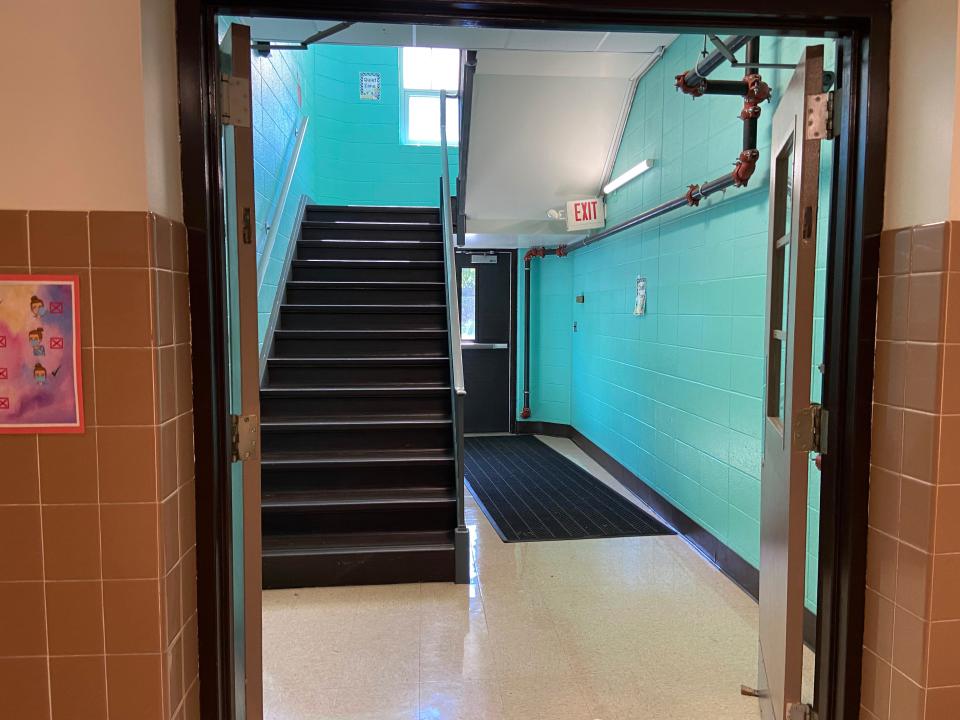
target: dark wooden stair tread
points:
(357, 498)
(338, 543)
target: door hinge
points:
(800, 711)
(819, 121)
(245, 430)
(234, 101)
(810, 429)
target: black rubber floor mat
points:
(530, 492)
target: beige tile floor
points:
(618, 629)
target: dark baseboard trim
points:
(745, 575)
(535, 427)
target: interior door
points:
(242, 369)
(788, 435)
(486, 311)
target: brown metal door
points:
(243, 370)
(789, 415)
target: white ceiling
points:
(288, 30)
(542, 130)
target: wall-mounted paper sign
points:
(369, 86)
(40, 381)
(585, 214)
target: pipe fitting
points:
(534, 252)
(757, 92)
(693, 199)
(561, 250)
(525, 413)
(693, 90)
(745, 167)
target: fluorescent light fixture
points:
(638, 169)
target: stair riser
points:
(380, 215)
(389, 477)
(302, 347)
(331, 407)
(347, 296)
(358, 375)
(358, 569)
(352, 438)
(386, 233)
(308, 251)
(352, 519)
(368, 274)
(318, 320)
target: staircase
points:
(358, 469)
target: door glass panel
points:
(779, 297)
(468, 303)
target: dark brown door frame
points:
(862, 29)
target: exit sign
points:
(585, 214)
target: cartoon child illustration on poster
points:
(37, 307)
(36, 341)
(40, 329)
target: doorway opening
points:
(596, 436)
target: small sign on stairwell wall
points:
(370, 86)
(585, 214)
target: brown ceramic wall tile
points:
(945, 595)
(181, 308)
(890, 373)
(922, 377)
(119, 239)
(921, 444)
(124, 386)
(168, 459)
(944, 662)
(884, 509)
(59, 239)
(121, 308)
(71, 542)
(185, 457)
(22, 619)
(21, 485)
(170, 531)
(78, 688)
(13, 238)
(127, 458)
(24, 688)
(875, 694)
(917, 501)
(184, 379)
(925, 318)
(20, 543)
(887, 444)
(906, 698)
(928, 252)
(178, 247)
(134, 686)
(942, 703)
(161, 237)
(949, 468)
(947, 537)
(130, 541)
(166, 383)
(914, 570)
(164, 309)
(68, 467)
(892, 297)
(878, 625)
(952, 330)
(75, 618)
(909, 645)
(882, 563)
(172, 605)
(132, 615)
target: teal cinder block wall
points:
(358, 158)
(675, 395)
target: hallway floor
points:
(638, 628)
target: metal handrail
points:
(457, 388)
(274, 225)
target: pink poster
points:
(40, 389)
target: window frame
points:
(405, 95)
